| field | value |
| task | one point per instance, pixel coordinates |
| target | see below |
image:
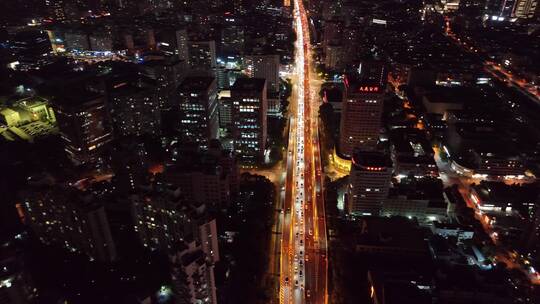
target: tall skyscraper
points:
(362, 108)
(249, 118)
(199, 120)
(369, 182)
(84, 125)
(164, 220)
(266, 67)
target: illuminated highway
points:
(303, 261)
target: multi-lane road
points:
(303, 259)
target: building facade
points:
(84, 125)
(266, 67)
(369, 182)
(362, 109)
(199, 120)
(70, 218)
(134, 111)
(249, 118)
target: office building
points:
(71, 218)
(225, 113)
(499, 10)
(249, 118)
(166, 74)
(199, 120)
(526, 9)
(84, 125)
(265, 67)
(369, 182)
(134, 111)
(362, 108)
(202, 55)
(172, 41)
(232, 36)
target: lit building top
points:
(371, 161)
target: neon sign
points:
(368, 89)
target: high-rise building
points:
(167, 74)
(173, 41)
(193, 278)
(163, 217)
(165, 220)
(333, 59)
(139, 37)
(499, 9)
(369, 182)
(232, 36)
(266, 67)
(225, 112)
(134, 110)
(158, 217)
(130, 163)
(84, 125)
(210, 177)
(249, 118)
(199, 120)
(202, 55)
(525, 8)
(362, 108)
(63, 215)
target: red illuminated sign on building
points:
(373, 89)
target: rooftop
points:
(422, 189)
(248, 84)
(368, 159)
(392, 232)
(196, 84)
(457, 95)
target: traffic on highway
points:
(303, 244)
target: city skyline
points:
(270, 152)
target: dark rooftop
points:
(196, 84)
(248, 84)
